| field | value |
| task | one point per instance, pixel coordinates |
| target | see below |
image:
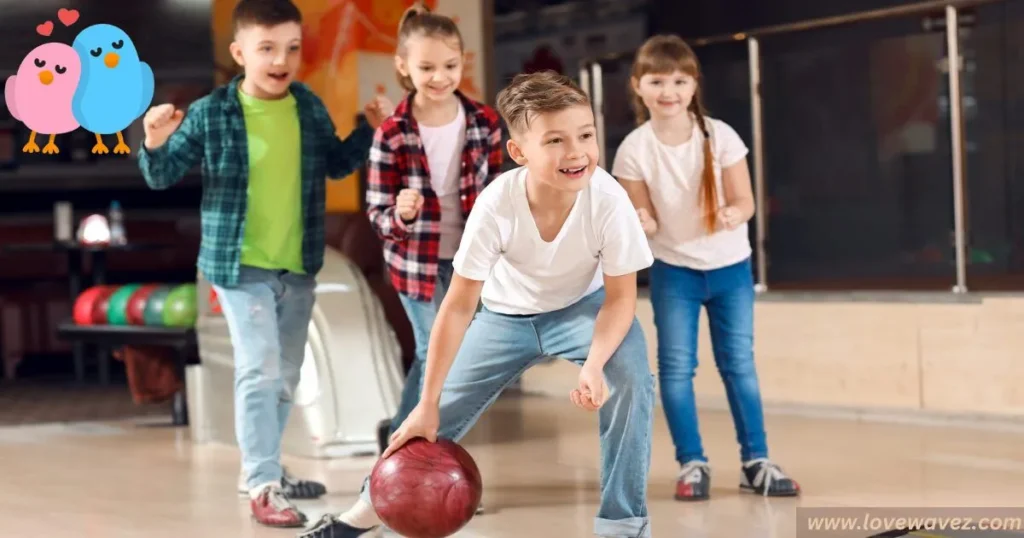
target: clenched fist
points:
(377, 110)
(730, 217)
(160, 123)
(408, 204)
(647, 222)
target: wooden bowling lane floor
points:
(539, 461)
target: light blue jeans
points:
(421, 317)
(268, 315)
(498, 348)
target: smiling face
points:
(559, 147)
(666, 95)
(54, 66)
(433, 63)
(271, 56)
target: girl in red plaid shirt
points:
(428, 162)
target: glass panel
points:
(619, 118)
(726, 85)
(857, 156)
(994, 122)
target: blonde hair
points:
(666, 54)
(419, 20)
(537, 93)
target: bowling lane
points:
(538, 457)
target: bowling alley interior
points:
(884, 277)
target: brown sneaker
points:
(273, 509)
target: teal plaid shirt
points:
(213, 133)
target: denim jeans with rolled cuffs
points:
(677, 296)
(421, 316)
(498, 348)
(268, 316)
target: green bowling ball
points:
(117, 313)
(180, 307)
(153, 314)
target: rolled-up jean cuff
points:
(634, 527)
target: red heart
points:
(67, 16)
(45, 29)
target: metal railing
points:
(591, 81)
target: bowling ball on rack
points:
(118, 310)
(102, 308)
(135, 311)
(180, 307)
(153, 314)
(85, 307)
(426, 490)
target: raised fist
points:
(160, 123)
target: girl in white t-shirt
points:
(428, 162)
(687, 176)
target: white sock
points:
(255, 492)
(361, 516)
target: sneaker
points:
(292, 487)
(694, 482)
(763, 477)
(296, 488)
(330, 526)
(273, 509)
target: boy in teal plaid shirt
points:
(267, 145)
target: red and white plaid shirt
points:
(398, 161)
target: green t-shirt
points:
(273, 220)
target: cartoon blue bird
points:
(115, 87)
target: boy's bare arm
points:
(452, 321)
(614, 319)
(640, 196)
(450, 325)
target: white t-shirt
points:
(443, 146)
(673, 176)
(525, 275)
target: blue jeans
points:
(498, 348)
(677, 295)
(268, 316)
(421, 317)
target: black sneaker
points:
(694, 482)
(295, 488)
(763, 477)
(291, 486)
(331, 527)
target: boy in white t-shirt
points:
(687, 175)
(552, 248)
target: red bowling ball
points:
(89, 303)
(426, 490)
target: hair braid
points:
(708, 186)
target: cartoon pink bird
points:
(40, 94)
